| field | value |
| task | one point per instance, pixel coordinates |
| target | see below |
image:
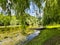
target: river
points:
(31, 36)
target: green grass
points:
(53, 26)
(43, 36)
(11, 26)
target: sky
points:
(33, 8)
(0, 9)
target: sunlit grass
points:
(13, 34)
(53, 26)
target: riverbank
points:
(12, 35)
(44, 36)
(12, 38)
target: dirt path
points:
(53, 41)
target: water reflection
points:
(31, 36)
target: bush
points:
(13, 20)
(8, 20)
(4, 20)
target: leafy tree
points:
(51, 12)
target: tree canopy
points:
(19, 5)
(51, 12)
(51, 9)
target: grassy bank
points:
(11, 35)
(43, 36)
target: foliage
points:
(4, 20)
(7, 20)
(13, 21)
(51, 13)
(3, 4)
(18, 5)
(27, 20)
